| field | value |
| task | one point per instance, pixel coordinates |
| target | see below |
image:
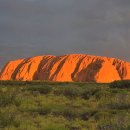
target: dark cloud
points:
(37, 27)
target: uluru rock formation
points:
(73, 67)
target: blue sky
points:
(38, 27)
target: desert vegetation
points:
(39, 105)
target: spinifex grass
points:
(63, 106)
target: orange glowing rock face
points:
(73, 67)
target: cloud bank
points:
(37, 27)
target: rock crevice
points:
(73, 68)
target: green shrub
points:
(73, 127)
(70, 92)
(103, 115)
(58, 110)
(7, 98)
(86, 115)
(13, 83)
(127, 128)
(70, 113)
(17, 102)
(42, 89)
(103, 94)
(87, 93)
(120, 106)
(67, 112)
(55, 127)
(111, 126)
(41, 110)
(58, 91)
(24, 83)
(6, 119)
(120, 84)
(16, 123)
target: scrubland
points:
(40, 105)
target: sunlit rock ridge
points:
(72, 67)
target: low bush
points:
(58, 91)
(70, 113)
(70, 92)
(16, 123)
(120, 84)
(55, 127)
(41, 110)
(67, 112)
(24, 83)
(42, 89)
(74, 126)
(12, 83)
(87, 93)
(111, 126)
(86, 115)
(7, 98)
(120, 106)
(103, 115)
(17, 102)
(6, 119)
(103, 94)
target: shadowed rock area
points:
(72, 67)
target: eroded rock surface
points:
(73, 67)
